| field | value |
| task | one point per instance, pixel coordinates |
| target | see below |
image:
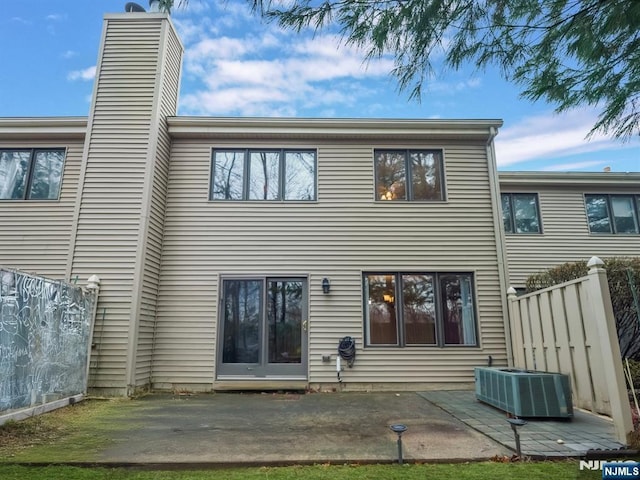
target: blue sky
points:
(237, 65)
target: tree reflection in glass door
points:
(284, 320)
(242, 305)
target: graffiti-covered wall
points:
(45, 334)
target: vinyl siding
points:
(34, 235)
(110, 239)
(341, 235)
(565, 232)
(171, 59)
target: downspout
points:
(498, 228)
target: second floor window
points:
(31, 174)
(613, 213)
(263, 175)
(520, 213)
(413, 175)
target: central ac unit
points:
(525, 393)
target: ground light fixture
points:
(515, 423)
(399, 429)
(326, 285)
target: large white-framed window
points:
(409, 175)
(615, 214)
(404, 309)
(31, 173)
(263, 174)
(521, 213)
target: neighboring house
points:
(553, 218)
(237, 252)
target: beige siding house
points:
(240, 253)
(342, 232)
(553, 218)
(35, 234)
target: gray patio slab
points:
(227, 428)
(539, 437)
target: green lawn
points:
(470, 471)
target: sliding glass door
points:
(263, 328)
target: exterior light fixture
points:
(399, 429)
(515, 423)
(326, 285)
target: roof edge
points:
(588, 179)
(263, 127)
(42, 127)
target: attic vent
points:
(525, 393)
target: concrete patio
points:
(539, 437)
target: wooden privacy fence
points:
(570, 328)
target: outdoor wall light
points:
(326, 285)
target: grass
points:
(470, 471)
(62, 435)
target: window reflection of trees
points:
(228, 176)
(419, 309)
(382, 309)
(425, 177)
(34, 174)
(520, 213)
(47, 175)
(391, 175)
(300, 170)
(284, 319)
(425, 301)
(613, 213)
(409, 175)
(242, 304)
(264, 175)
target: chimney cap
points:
(133, 7)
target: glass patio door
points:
(263, 323)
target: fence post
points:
(516, 335)
(93, 289)
(600, 299)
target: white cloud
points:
(273, 72)
(84, 75)
(451, 88)
(551, 135)
(56, 17)
(69, 54)
(188, 30)
(21, 20)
